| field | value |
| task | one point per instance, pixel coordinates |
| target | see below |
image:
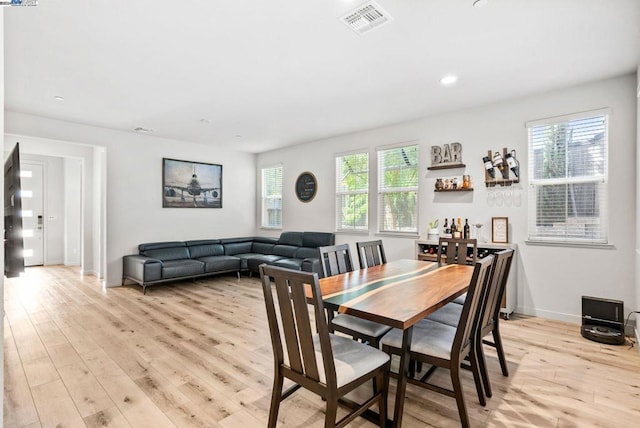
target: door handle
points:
(40, 222)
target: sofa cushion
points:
(256, 261)
(199, 251)
(235, 248)
(285, 250)
(202, 242)
(243, 259)
(295, 264)
(262, 248)
(166, 254)
(307, 253)
(318, 239)
(156, 245)
(220, 263)
(178, 268)
(291, 238)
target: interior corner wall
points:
(2, 198)
(72, 169)
(550, 280)
(134, 187)
(637, 208)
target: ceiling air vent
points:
(366, 17)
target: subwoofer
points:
(602, 320)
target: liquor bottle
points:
(489, 166)
(453, 227)
(467, 229)
(447, 229)
(459, 227)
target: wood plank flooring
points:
(199, 355)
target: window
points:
(568, 177)
(352, 192)
(398, 189)
(272, 197)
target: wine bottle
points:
(498, 162)
(467, 229)
(447, 229)
(453, 227)
(513, 163)
(489, 166)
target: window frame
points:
(600, 182)
(414, 232)
(339, 193)
(264, 224)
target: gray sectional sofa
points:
(159, 262)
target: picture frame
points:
(189, 184)
(500, 230)
(306, 187)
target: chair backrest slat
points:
(371, 253)
(290, 290)
(457, 249)
(469, 317)
(335, 259)
(499, 276)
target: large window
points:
(272, 197)
(352, 192)
(568, 177)
(398, 189)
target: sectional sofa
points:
(159, 262)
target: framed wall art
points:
(187, 184)
(500, 230)
(306, 187)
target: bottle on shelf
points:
(512, 162)
(498, 162)
(446, 229)
(489, 166)
(453, 228)
(467, 229)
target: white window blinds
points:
(352, 192)
(272, 197)
(568, 173)
(398, 189)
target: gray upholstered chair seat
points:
(460, 299)
(220, 263)
(351, 359)
(448, 314)
(429, 338)
(370, 328)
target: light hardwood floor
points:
(199, 355)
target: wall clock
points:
(306, 187)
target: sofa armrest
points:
(312, 264)
(141, 269)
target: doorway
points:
(32, 182)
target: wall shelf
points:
(446, 166)
(454, 190)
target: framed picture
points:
(500, 230)
(306, 187)
(187, 184)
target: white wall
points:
(551, 280)
(72, 211)
(2, 198)
(134, 187)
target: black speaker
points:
(603, 320)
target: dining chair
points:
(336, 259)
(324, 363)
(371, 253)
(489, 315)
(442, 345)
(456, 251)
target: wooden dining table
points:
(398, 294)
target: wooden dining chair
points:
(456, 251)
(489, 315)
(371, 253)
(326, 364)
(441, 345)
(336, 259)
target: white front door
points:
(32, 184)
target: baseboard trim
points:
(637, 340)
(575, 319)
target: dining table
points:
(398, 294)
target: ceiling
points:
(258, 75)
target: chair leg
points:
(477, 377)
(497, 340)
(382, 406)
(457, 391)
(276, 397)
(482, 363)
(332, 412)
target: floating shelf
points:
(447, 166)
(454, 190)
(501, 182)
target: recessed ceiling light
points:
(238, 136)
(480, 3)
(449, 79)
(142, 130)
(58, 98)
(205, 121)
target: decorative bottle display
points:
(512, 162)
(453, 227)
(489, 166)
(467, 229)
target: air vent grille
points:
(366, 17)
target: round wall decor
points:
(306, 186)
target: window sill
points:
(571, 244)
(351, 232)
(398, 235)
(270, 228)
